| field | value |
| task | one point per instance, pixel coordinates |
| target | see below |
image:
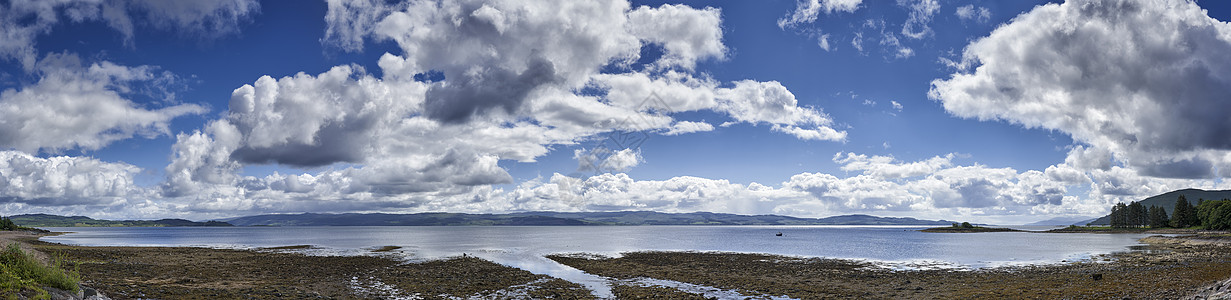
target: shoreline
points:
(1175, 267)
(123, 272)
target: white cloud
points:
(209, 18)
(687, 35)
(21, 22)
(393, 138)
(349, 21)
(806, 11)
(970, 12)
(823, 42)
(685, 127)
(607, 160)
(896, 106)
(63, 180)
(892, 43)
(770, 102)
(387, 143)
(921, 13)
(1144, 81)
(73, 106)
(887, 167)
(857, 42)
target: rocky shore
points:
(1172, 268)
(202, 273)
(1186, 267)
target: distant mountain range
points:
(1063, 221)
(562, 218)
(1167, 201)
(542, 218)
(45, 220)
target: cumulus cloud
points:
(806, 11)
(77, 107)
(394, 142)
(607, 160)
(348, 22)
(932, 185)
(770, 102)
(62, 180)
(686, 34)
(889, 168)
(1143, 81)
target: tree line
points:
(1213, 214)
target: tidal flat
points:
(1166, 268)
(204, 273)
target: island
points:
(966, 227)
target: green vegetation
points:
(966, 227)
(7, 224)
(1167, 202)
(1184, 215)
(1135, 215)
(45, 220)
(1213, 215)
(21, 273)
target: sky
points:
(1001, 112)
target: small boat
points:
(779, 234)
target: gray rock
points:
(83, 293)
(1218, 290)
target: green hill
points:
(1167, 201)
(45, 220)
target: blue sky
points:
(989, 111)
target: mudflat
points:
(1172, 268)
(202, 273)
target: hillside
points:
(45, 220)
(1167, 200)
(1063, 221)
(561, 218)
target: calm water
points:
(524, 246)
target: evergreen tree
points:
(1215, 215)
(1137, 215)
(1183, 214)
(1158, 217)
(1191, 214)
(1119, 215)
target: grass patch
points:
(21, 273)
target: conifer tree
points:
(1180, 216)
